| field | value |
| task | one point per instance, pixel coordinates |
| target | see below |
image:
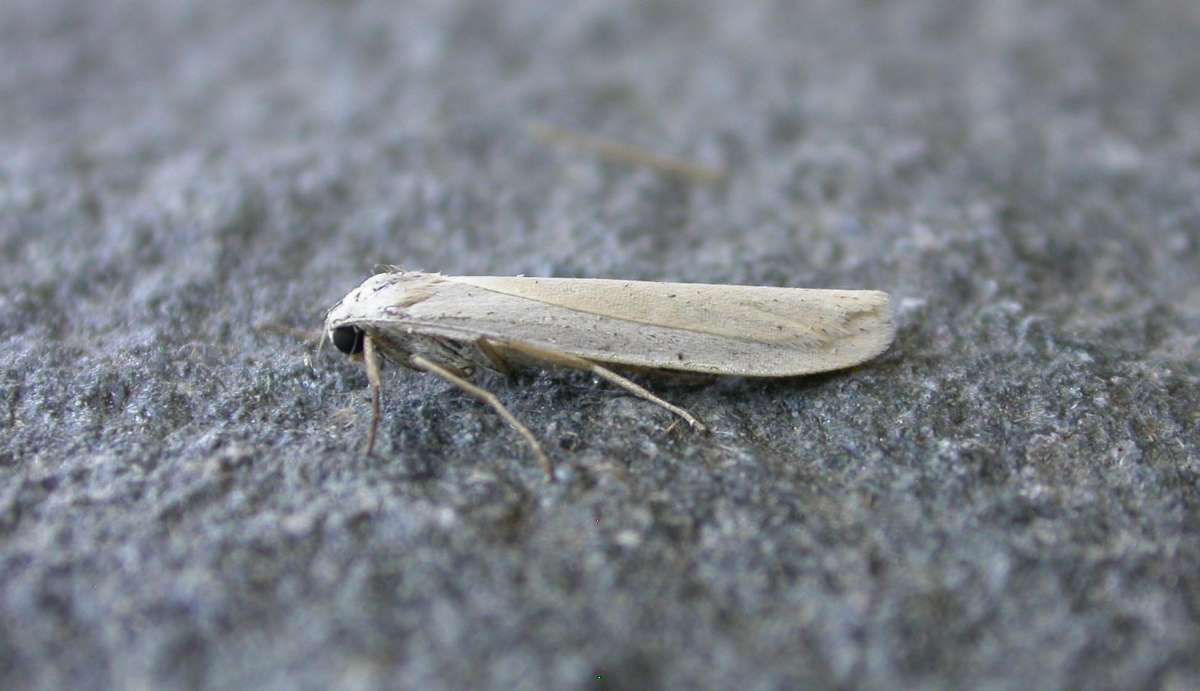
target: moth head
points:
(380, 298)
(344, 321)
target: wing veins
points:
(775, 319)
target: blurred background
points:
(1007, 498)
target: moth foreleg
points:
(422, 363)
(493, 355)
(371, 358)
(603, 372)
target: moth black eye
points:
(348, 339)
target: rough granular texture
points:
(1006, 499)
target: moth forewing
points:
(453, 325)
(740, 330)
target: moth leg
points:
(371, 358)
(494, 356)
(422, 363)
(644, 394)
(603, 372)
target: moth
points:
(454, 326)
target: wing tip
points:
(887, 323)
(872, 333)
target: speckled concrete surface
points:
(1006, 499)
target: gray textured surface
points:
(1008, 498)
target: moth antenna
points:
(305, 337)
(488, 397)
(371, 358)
